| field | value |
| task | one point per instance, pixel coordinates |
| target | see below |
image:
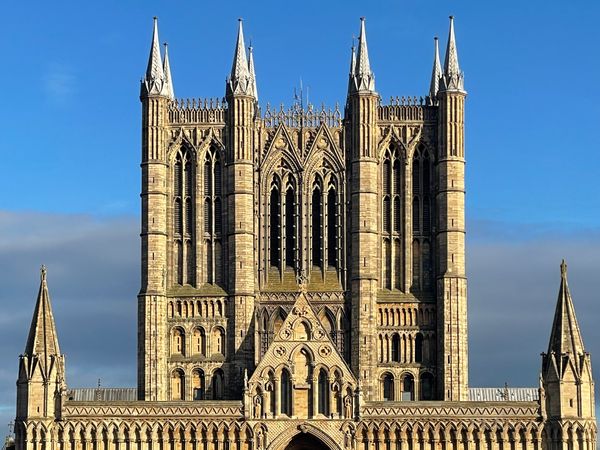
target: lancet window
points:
(283, 223)
(184, 188)
(421, 220)
(286, 393)
(275, 223)
(323, 393)
(392, 218)
(317, 223)
(333, 226)
(213, 217)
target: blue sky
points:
(70, 118)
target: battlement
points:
(299, 117)
(400, 109)
(207, 110)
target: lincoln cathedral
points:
(303, 285)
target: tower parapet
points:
(197, 110)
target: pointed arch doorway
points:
(306, 441)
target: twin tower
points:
(304, 264)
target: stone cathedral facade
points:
(303, 286)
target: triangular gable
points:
(281, 143)
(301, 329)
(323, 142)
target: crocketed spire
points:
(436, 72)
(240, 81)
(251, 71)
(42, 338)
(453, 78)
(169, 91)
(364, 77)
(565, 337)
(351, 77)
(155, 83)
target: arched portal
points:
(306, 441)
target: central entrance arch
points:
(306, 441)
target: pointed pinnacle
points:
(239, 67)
(42, 339)
(154, 70)
(364, 76)
(436, 72)
(565, 337)
(168, 87)
(451, 66)
(251, 72)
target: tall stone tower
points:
(453, 367)
(156, 92)
(240, 138)
(363, 177)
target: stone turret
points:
(453, 364)
(241, 112)
(41, 382)
(361, 123)
(156, 90)
(566, 367)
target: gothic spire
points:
(154, 81)
(365, 79)
(565, 337)
(251, 71)
(169, 91)
(453, 77)
(239, 80)
(42, 338)
(351, 78)
(436, 72)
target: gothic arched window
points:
(213, 216)
(317, 223)
(323, 394)
(290, 227)
(184, 185)
(421, 218)
(275, 223)
(392, 218)
(332, 228)
(286, 393)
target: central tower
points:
(246, 212)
